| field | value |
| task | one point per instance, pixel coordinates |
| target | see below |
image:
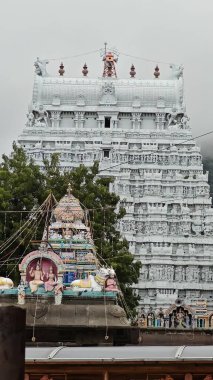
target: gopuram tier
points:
(139, 131)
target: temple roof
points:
(68, 209)
(68, 93)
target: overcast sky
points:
(179, 31)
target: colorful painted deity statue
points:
(111, 283)
(38, 277)
(51, 280)
(21, 293)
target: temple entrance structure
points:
(140, 133)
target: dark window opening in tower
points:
(106, 153)
(107, 122)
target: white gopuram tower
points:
(140, 133)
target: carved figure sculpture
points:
(162, 322)
(177, 71)
(6, 283)
(172, 118)
(21, 293)
(38, 277)
(97, 282)
(172, 321)
(185, 121)
(180, 319)
(89, 284)
(58, 292)
(150, 320)
(92, 283)
(51, 280)
(30, 119)
(42, 117)
(40, 67)
(187, 320)
(111, 283)
(142, 321)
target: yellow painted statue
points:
(6, 283)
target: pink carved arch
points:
(44, 256)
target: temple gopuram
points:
(139, 131)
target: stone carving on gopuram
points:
(140, 132)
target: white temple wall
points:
(124, 124)
(67, 123)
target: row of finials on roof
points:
(85, 71)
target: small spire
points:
(61, 69)
(132, 71)
(69, 189)
(85, 70)
(157, 72)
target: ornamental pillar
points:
(82, 119)
(55, 119)
(133, 121)
(76, 120)
(115, 124)
(160, 120)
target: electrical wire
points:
(20, 257)
(30, 232)
(74, 56)
(118, 53)
(20, 231)
(145, 59)
(34, 225)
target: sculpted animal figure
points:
(40, 67)
(177, 71)
(95, 283)
(6, 283)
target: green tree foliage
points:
(22, 184)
